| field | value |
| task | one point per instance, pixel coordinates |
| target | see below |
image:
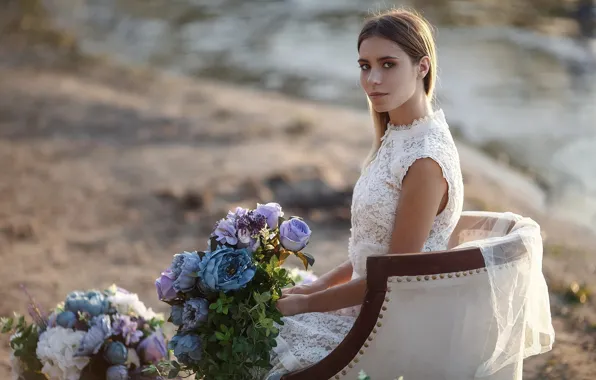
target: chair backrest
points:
(427, 315)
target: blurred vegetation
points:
(27, 23)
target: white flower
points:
(126, 303)
(56, 349)
(302, 277)
(15, 365)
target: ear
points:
(423, 67)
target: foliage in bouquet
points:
(93, 334)
(223, 300)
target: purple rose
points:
(294, 234)
(165, 286)
(225, 232)
(271, 211)
(153, 348)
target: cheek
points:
(402, 81)
(363, 79)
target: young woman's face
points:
(388, 75)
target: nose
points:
(374, 77)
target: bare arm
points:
(422, 196)
(338, 275)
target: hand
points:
(293, 304)
(303, 289)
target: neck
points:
(415, 108)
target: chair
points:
(429, 315)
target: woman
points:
(408, 198)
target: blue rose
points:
(116, 353)
(187, 348)
(195, 313)
(176, 315)
(66, 319)
(92, 302)
(294, 234)
(226, 269)
(117, 372)
(272, 212)
(184, 271)
(94, 338)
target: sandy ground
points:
(107, 172)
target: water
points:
(531, 96)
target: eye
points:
(364, 67)
(388, 65)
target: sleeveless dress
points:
(307, 338)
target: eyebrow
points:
(380, 59)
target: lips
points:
(377, 95)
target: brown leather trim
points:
(415, 264)
(379, 268)
(339, 358)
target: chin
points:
(380, 108)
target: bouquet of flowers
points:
(223, 299)
(93, 334)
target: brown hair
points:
(414, 34)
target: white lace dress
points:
(307, 338)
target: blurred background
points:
(128, 127)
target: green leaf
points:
(283, 255)
(7, 325)
(173, 373)
(213, 243)
(306, 259)
(150, 370)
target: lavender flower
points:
(294, 234)
(272, 212)
(128, 328)
(225, 232)
(194, 313)
(153, 348)
(165, 286)
(253, 222)
(238, 213)
(244, 237)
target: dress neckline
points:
(405, 127)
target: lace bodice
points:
(307, 338)
(377, 191)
